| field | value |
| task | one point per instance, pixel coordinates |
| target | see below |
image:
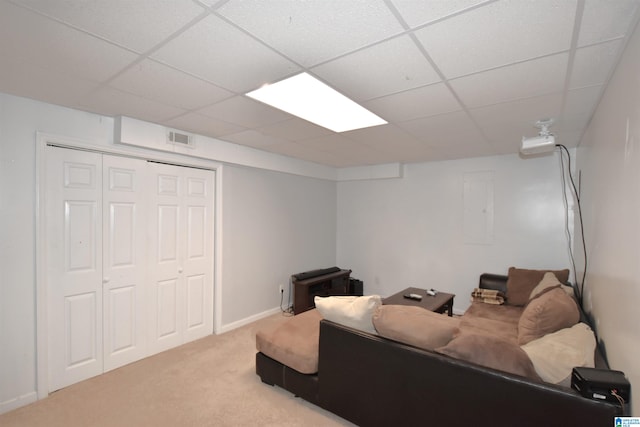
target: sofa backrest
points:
(498, 282)
(373, 381)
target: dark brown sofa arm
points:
(373, 381)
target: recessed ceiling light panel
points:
(308, 98)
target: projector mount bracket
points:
(544, 125)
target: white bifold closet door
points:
(180, 255)
(111, 297)
(74, 265)
(125, 264)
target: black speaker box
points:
(601, 384)
(355, 287)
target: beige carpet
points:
(209, 382)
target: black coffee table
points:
(440, 303)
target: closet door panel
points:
(74, 265)
(124, 275)
(196, 302)
(182, 254)
(167, 309)
(198, 254)
(166, 303)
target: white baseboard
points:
(11, 404)
(238, 323)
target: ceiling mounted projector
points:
(545, 142)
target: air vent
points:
(179, 138)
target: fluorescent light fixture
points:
(308, 98)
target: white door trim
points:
(42, 141)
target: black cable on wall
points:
(579, 286)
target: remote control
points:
(413, 297)
(431, 292)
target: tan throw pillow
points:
(520, 283)
(354, 312)
(491, 352)
(549, 280)
(548, 313)
(555, 355)
(414, 325)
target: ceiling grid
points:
(454, 79)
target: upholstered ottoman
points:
(293, 343)
(288, 355)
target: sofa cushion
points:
(500, 320)
(294, 343)
(355, 312)
(520, 283)
(492, 352)
(555, 355)
(551, 311)
(502, 313)
(549, 280)
(499, 329)
(414, 325)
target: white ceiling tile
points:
(393, 66)
(606, 19)
(386, 135)
(35, 82)
(445, 130)
(294, 130)
(332, 158)
(128, 23)
(593, 64)
(295, 150)
(523, 80)
(373, 157)
(416, 13)
(505, 62)
(203, 125)
(498, 34)
(245, 112)
(330, 142)
(358, 154)
(216, 51)
(579, 107)
(412, 104)
(408, 153)
(465, 150)
(39, 41)
(253, 138)
(335, 159)
(313, 31)
(155, 81)
(394, 143)
(113, 102)
(505, 124)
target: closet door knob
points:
(179, 269)
(105, 280)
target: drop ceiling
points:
(454, 78)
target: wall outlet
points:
(281, 288)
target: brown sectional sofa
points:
(375, 381)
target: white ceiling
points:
(454, 78)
